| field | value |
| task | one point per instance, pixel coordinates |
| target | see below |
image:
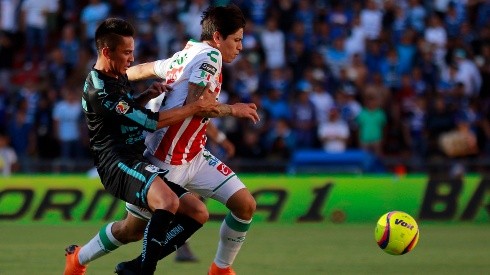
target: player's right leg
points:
(110, 237)
(163, 203)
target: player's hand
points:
(245, 110)
(155, 90)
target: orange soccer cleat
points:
(72, 266)
(215, 270)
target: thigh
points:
(213, 179)
(130, 180)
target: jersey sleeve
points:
(207, 68)
(118, 106)
(161, 67)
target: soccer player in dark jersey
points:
(116, 120)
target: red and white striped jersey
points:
(197, 63)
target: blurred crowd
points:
(399, 78)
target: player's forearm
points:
(223, 110)
(141, 71)
(172, 116)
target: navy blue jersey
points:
(116, 123)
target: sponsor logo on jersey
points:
(122, 107)
(151, 168)
(208, 68)
(223, 169)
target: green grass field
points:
(270, 249)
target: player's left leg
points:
(217, 181)
(233, 230)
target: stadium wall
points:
(280, 198)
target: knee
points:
(245, 208)
(249, 208)
(169, 202)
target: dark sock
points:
(154, 239)
(179, 231)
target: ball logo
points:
(403, 223)
(225, 170)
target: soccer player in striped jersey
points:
(181, 147)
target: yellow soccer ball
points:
(396, 233)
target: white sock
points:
(232, 236)
(102, 244)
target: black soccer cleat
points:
(127, 268)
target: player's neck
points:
(210, 43)
(105, 68)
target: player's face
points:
(231, 46)
(121, 58)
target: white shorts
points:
(205, 175)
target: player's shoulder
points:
(202, 50)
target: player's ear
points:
(216, 37)
(106, 52)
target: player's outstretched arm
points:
(240, 110)
(206, 103)
(141, 71)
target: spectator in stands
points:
(414, 130)
(371, 122)
(252, 47)
(375, 87)
(56, 68)
(275, 105)
(468, 73)
(435, 34)
(246, 79)
(322, 100)
(35, 19)
(416, 15)
(67, 117)
(336, 57)
(406, 50)
(8, 157)
(250, 145)
(357, 71)
(9, 41)
(355, 42)
(91, 16)
(391, 70)
(47, 146)
(69, 45)
(273, 42)
(440, 119)
(280, 140)
(371, 20)
(334, 132)
(20, 132)
(303, 117)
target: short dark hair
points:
(110, 32)
(224, 19)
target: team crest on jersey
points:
(152, 168)
(122, 107)
(208, 68)
(223, 169)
